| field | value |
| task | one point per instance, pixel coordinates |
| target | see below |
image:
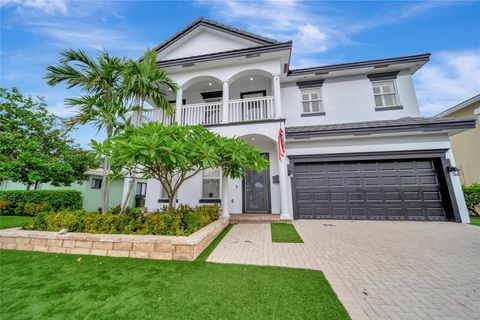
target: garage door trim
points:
(385, 155)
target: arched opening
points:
(259, 193)
(250, 84)
(202, 89)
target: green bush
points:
(472, 198)
(32, 202)
(183, 221)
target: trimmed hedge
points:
(182, 222)
(32, 202)
(472, 198)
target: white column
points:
(457, 190)
(283, 177)
(127, 182)
(277, 96)
(225, 198)
(225, 96)
(178, 106)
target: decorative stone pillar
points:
(225, 96)
(277, 96)
(225, 197)
(178, 106)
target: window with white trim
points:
(312, 100)
(385, 93)
(211, 184)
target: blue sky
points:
(34, 31)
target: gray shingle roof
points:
(382, 126)
(459, 106)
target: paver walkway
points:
(379, 269)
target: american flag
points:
(281, 144)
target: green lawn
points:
(285, 232)
(13, 221)
(36, 285)
(475, 220)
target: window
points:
(163, 193)
(142, 188)
(211, 184)
(312, 100)
(96, 183)
(385, 93)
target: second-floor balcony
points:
(248, 96)
(238, 110)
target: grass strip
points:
(204, 255)
(285, 232)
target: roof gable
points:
(204, 37)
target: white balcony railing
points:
(251, 109)
(240, 110)
(202, 113)
(157, 115)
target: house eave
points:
(419, 59)
(225, 55)
(379, 128)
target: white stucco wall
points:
(348, 99)
(204, 41)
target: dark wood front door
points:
(256, 191)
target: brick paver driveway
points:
(379, 269)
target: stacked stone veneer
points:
(114, 245)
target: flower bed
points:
(183, 221)
(114, 245)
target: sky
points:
(33, 32)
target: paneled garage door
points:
(378, 190)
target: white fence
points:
(240, 110)
(251, 109)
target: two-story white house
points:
(356, 145)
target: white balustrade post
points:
(178, 106)
(225, 198)
(225, 96)
(277, 95)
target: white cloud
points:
(313, 27)
(47, 6)
(76, 35)
(449, 78)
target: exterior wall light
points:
(454, 170)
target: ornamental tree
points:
(173, 154)
(34, 147)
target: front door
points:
(256, 191)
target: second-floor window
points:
(211, 184)
(385, 93)
(312, 100)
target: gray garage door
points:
(378, 190)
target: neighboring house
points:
(90, 190)
(356, 145)
(466, 145)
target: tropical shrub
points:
(182, 221)
(32, 202)
(472, 198)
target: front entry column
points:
(178, 106)
(225, 95)
(277, 96)
(283, 177)
(225, 198)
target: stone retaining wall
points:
(114, 245)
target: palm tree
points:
(144, 81)
(101, 104)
